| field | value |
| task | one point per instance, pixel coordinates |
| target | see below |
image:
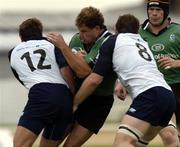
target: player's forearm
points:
(79, 65)
(68, 77)
(168, 62)
(87, 88)
(177, 64)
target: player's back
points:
(135, 65)
(34, 61)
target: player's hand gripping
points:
(120, 91)
(168, 62)
(57, 39)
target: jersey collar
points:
(145, 26)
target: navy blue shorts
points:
(49, 107)
(155, 105)
(93, 112)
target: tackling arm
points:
(69, 78)
(87, 87)
(77, 63)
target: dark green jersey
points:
(164, 44)
(107, 86)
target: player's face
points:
(156, 16)
(88, 35)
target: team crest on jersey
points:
(172, 38)
(157, 47)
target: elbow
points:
(83, 73)
(95, 81)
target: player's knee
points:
(18, 142)
(169, 135)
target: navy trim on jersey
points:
(104, 62)
(9, 54)
(105, 35)
(146, 23)
(61, 61)
(13, 70)
(88, 47)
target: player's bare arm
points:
(69, 78)
(77, 63)
(88, 86)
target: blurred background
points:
(59, 16)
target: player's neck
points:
(157, 28)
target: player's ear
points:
(97, 27)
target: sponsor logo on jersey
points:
(158, 56)
(172, 38)
(157, 47)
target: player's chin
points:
(156, 22)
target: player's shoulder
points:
(9, 54)
(75, 37)
(26, 46)
(175, 26)
(129, 39)
(75, 40)
(18, 46)
(43, 40)
(126, 36)
(111, 39)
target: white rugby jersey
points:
(130, 57)
(34, 61)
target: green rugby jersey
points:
(106, 88)
(164, 44)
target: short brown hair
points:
(30, 29)
(127, 24)
(90, 17)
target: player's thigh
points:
(148, 132)
(24, 137)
